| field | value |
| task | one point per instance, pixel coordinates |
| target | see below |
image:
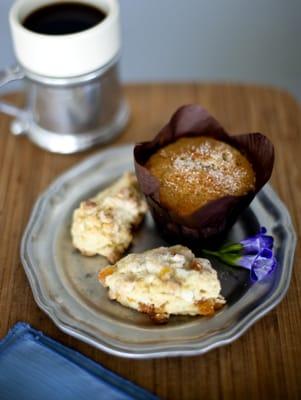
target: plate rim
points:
(229, 335)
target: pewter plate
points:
(64, 283)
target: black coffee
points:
(63, 18)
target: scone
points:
(193, 171)
(164, 281)
(104, 224)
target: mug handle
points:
(8, 75)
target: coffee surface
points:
(63, 18)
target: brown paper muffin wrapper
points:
(208, 224)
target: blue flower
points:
(255, 244)
(254, 253)
(260, 265)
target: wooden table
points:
(266, 361)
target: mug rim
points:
(70, 54)
(111, 10)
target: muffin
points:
(198, 179)
(164, 281)
(193, 171)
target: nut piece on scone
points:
(104, 224)
(164, 281)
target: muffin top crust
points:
(193, 171)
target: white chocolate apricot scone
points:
(104, 224)
(164, 281)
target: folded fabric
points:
(35, 367)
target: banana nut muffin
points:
(193, 171)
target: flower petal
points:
(263, 265)
(267, 241)
(247, 261)
(251, 245)
(254, 244)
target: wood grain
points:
(265, 362)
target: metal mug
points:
(73, 96)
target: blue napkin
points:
(35, 367)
